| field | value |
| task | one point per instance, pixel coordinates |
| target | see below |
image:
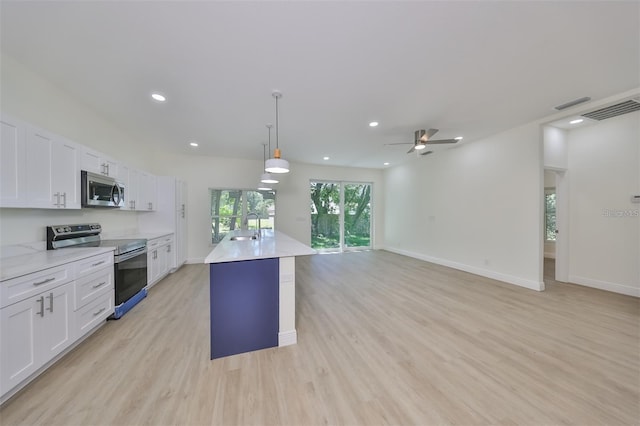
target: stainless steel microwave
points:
(101, 191)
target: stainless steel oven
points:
(130, 259)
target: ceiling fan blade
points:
(441, 141)
(413, 148)
(431, 132)
(426, 153)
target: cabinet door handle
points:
(57, 203)
(47, 280)
(98, 312)
(169, 248)
(41, 313)
(50, 302)
(64, 198)
(100, 285)
(107, 165)
(97, 263)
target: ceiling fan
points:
(422, 138)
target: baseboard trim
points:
(286, 338)
(605, 285)
(509, 279)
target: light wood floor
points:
(382, 339)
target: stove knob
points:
(67, 229)
(60, 230)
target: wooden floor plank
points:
(382, 339)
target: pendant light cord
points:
(277, 138)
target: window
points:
(550, 214)
(340, 216)
(230, 207)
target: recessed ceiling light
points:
(459, 138)
(325, 158)
(373, 124)
(386, 164)
(158, 97)
(193, 143)
(576, 121)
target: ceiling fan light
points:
(263, 187)
(267, 178)
(276, 165)
(420, 146)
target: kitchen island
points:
(252, 291)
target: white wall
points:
(604, 171)
(555, 148)
(292, 196)
(476, 207)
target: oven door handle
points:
(126, 256)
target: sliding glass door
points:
(340, 216)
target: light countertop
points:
(136, 235)
(16, 266)
(270, 244)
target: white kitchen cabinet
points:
(39, 169)
(159, 255)
(65, 173)
(52, 172)
(32, 332)
(94, 292)
(171, 214)
(45, 312)
(96, 162)
(147, 191)
(13, 190)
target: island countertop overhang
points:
(270, 244)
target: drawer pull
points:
(47, 280)
(97, 263)
(41, 313)
(50, 302)
(100, 285)
(95, 314)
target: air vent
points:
(614, 110)
(572, 103)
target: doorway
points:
(340, 216)
(556, 226)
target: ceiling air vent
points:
(614, 110)
(572, 103)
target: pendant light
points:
(267, 177)
(262, 186)
(277, 164)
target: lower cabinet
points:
(159, 256)
(34, 331)
(94, 298)
(45, 312)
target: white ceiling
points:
(470, 69)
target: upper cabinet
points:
(95, 162)
(147, 192)
(12, 163)
(53, 172)
(41, 171)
